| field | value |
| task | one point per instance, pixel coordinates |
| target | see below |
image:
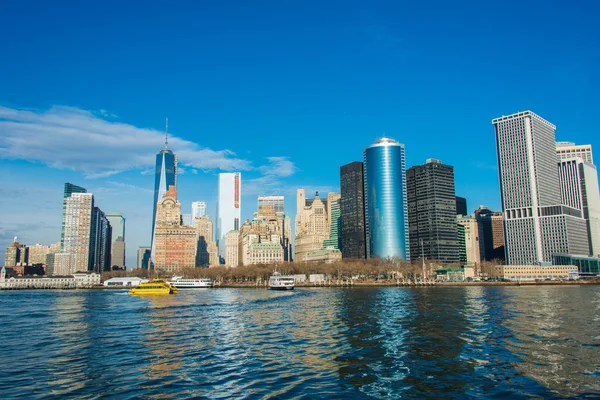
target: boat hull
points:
(156, 292)
(281, 288)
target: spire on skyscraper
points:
(167, 135)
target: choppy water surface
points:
(503, 342)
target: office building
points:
(16, 254)
(537, 224)
(335, 223)
(100, 243)
(143, 257)
(579, 190)
(207, 253)
(232, 248)
(277, 202)
(175, 244)
(469, 229)
(568, 150)
(228, 208)
(165, 176)
(491, 233)
(265, 229)
(461, 206)
(385, 199)
(198, 209)
(117, 252)
(352, 210)
(68, 191)
(77, 233)
(432, 212)
(312, 225)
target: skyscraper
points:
(207, 253)
(69, 190)
(432, 212)
(579, 190)
(468, 233)
(278, 205)
(385, 199)
(277, 202)
(77, 238)
(143, 258)
(228, 208)
(352, 209)
(312, 225)
(100, 243)
(537, 223)
(198, 210)
(491, 233)
(117, 252)
(165, 175)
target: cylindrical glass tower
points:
(385, 199)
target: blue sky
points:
(285, 92)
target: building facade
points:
(535, 272)
(143, 257)
(568, 150)
(37, 254)
(579, 190)
(175, 244)
(352, 210)
(16, 254)
(265, 228)
(335, 223)
(491, 233)
(385, 200)
(100, 244)
(432, 212)
(69, 189)
(232, 239)
(207, 253)
(461, 206)
(198, 210)
(312, 225)
(537, 224)
(77, 238)
(117, 252)
(469, 227)
(265, 253)
(165, 176)
(228, 208)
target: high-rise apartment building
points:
(335, 223)
(117, 253)
(352, 209)
(228, 208)
(579, 190)
(207, 253)
(461, 206)
(432, 212)
(312, 225)
(232, 248)
(68, 191)
(165, 176)
(175, 244)
(16, 254)
(77, 232)
(385, 199)
(568, 150)
(37, 254)
(198, 210)
(143, 257)
(537, 223)
(491, 233)
(469, 229)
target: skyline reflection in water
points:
(513, 342)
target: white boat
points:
(187, 283)
(281, 282)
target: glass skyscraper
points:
(385, 199)
(165, 176)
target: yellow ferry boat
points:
(155, 288)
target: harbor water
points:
(453, 342)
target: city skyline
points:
(378, 76)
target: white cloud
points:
(278, 166)
(71, 138)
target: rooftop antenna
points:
(167, 135)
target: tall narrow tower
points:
(165, 175)
(385, 199)
(228, 208)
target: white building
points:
(77, 220)
(124, 282)
(567, 150)
(537, 224)
(198, 209)
(79, 280)
(228, 207)
(579, 190)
